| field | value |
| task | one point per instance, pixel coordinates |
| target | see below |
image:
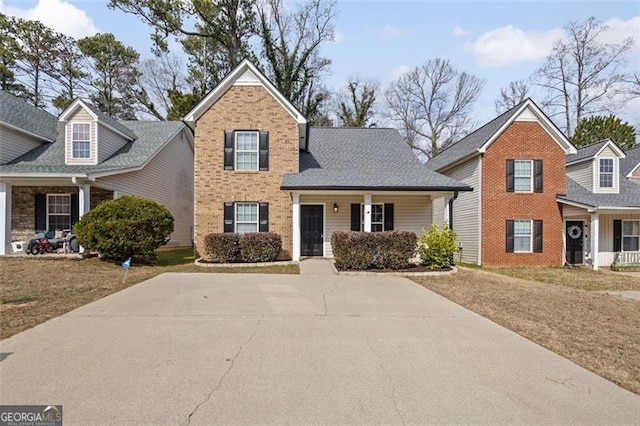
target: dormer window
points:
(606, 173)
(81, 140)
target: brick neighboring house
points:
(516, 165)
(53, 170)
(259, 166)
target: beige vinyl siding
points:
(571, 211)
(437, 211)
(411, 212)
(13, 144)
(582, 173)
(109, 142)
(466, 209)
(167, 179)
(607, 253)
(606, 153)
(80, 115)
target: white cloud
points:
(338, 37)
(60, 15)
(508, 45)
(458, 31)
(389, 31)
(619, 30)
(398, 71)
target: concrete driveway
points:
(237, 349)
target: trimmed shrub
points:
(437, 246)
(126, 226)
(372, 250)
(222, 248)
(260, 247)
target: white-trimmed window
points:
(81, 140)
(246, 150)
(606, 173)
(377, 217)
(522, 236)
(522, 175)
(246, 217)
(631, 235)
(58, 211)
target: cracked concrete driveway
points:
(238, 349)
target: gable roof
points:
(99, 117)
(591, 151)
(363, 159)
(19, 115)
(479, 140)
(631, 163)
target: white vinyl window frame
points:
(81, 139)
(59, 208)
(241, 220)
(521, 233)
(374, 223)
(633, 235)
(238, 141)
(610, 165)
(519, 177)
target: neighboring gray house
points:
(53, 170)
(602, 206)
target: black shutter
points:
(228, 217)
(228, 149)
(617, 235)
(263, 216)
(41, 212)
(264, 151)
(510, 176)
(537, 183)
(510, 236)
(388, 217)
(75, 209)
(355, 217)
(537, 235)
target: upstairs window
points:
(606, 173)
(246, 150)
(81, 140)
(522, 175)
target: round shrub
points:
(260, 247)
(126, 226)
(222, 248)
(437, 246)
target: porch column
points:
(84, 199)
(296, 228)
(5, 218)
(367, 212)
(595, 250)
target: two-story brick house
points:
(259, 166)
(516, 165)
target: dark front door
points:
(312, 224)
(574, 237)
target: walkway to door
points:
(315, 266)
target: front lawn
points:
(35, 289)
(555, 308)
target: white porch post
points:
(84, 199)
(296, 228)
(5, 218)
(367, 212)
(595, 250)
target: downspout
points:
(451, 200)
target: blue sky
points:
(499, 41)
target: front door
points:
(311, 230)
(573, 233)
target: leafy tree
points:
(69, 72)
(431, 104)
(356, 104)
(182, 103)
(583, 75)
(597, 128)
(512, 95)
(9, 53)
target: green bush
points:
(372, 250)
(222, 248)
(126, 226)
(437, 246)
(260, 247)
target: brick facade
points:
(522, 140)
(244, 108)
(23, 206)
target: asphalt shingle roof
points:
(629, 195)
(49, 158)
(18, 113)
(363, 158)
(630, 162)
(586, 151)
(472, 142)
(105, 119)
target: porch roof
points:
(629, 196)
(374, 159)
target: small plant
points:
(126, 226)
(222, 248)
(437, 246)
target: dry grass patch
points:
(597, 331)
(35, 289)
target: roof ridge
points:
(594, 143)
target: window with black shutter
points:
(264, 217)
(355, 217)
(41, 212)
(388, 217)
(538, 176)
(510, 176)
(229, 143)
(537, 236)
(510, 235)
(264, 151)
(617, 235)
(228, 217)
